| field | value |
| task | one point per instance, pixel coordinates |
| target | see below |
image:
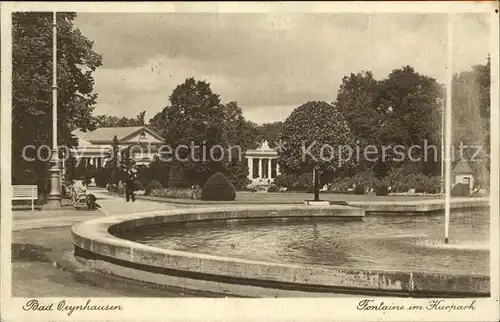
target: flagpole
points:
(449, 79)
(55, 171)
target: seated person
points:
(79, 187)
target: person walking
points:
(129, 185)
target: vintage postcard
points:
(267, 161)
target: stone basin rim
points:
(98, 230)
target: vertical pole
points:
(441, 183)
(449, 79)
(55, 171)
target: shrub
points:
(178, 193)
(102, 177)
(460, 190)
(382, 190)
(359, 189)
(138, 185)
(272, 188)
(294, 182)
(153, 185)
(309, 189)
(218, 188)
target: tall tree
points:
(313, 139)
(357, 100)
(141, 118)
(471, 119)
(410, 111)
(32, 83)
(158, 122)
(194, 119)
(240, 136)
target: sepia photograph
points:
(345, 157)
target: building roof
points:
(106, 134)
(462, 167)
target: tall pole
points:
(449, 79)
(441, 183)
(55, 171)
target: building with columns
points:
(96, 146)
(263, 167)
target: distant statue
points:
(264, 145)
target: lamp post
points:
(449, 79)
(55, 172)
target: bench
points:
(77, 199)
(25, 192)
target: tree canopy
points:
(32, 83)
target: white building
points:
(263, 167)
(96, 146)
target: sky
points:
(268, 63)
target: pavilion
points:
(263, 167)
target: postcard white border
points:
(244, 309)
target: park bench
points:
(25, 192)
(77, 199)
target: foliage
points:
(471, 119)
(357, 99)
(178, 193)
(126, 159)
(117, 121)
(102, 177)
(382, 190)
(138, 185)
(268, 131)
(32, 84)
(460, 190)
(316, 125)
(218, 188)
(157, 170)
(272, 188)
(293, 181)
(153, 185)
(359, 189)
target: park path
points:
(114, 205)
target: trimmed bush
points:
(382, 190)
(138, 185)
(460, 190)
(359, 190)
(153, 185)
(218, 188)
(272, 188)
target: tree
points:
(158, 122)
(115, 121)
(32, 84)
(240, 136)
(195, 119)
(141, 118)
(410, 111)
(268, 131)
(357, 100)
(313, 137)
(471, 119)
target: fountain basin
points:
(95, 241)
